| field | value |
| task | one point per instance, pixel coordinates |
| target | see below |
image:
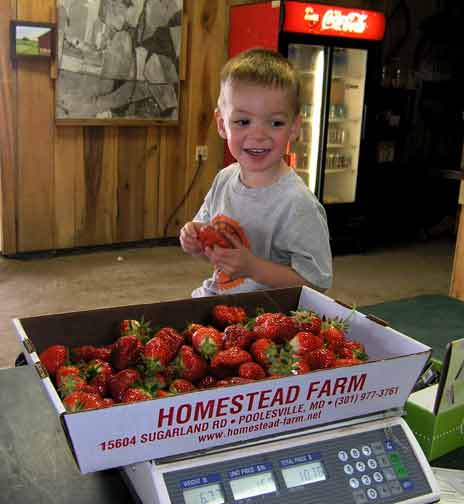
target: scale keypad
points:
(375, 471)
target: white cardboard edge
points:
(32, 358)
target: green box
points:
(436, 414)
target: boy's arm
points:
(276, 275)
(240, 262)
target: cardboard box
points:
(130, 433)
(436, 413)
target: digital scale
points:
(375, 459)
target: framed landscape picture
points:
(30, 40)
(118, 61)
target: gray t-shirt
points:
(283, 223)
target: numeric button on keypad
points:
(366, 479)
(360, 466)
(377, 477)
(354, 483)
(348, 468)
(372, 493)
(372, 463)
(342, 456)
(354, 452)
(366, 450)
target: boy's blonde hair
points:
(263, 67)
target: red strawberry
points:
(207, 381)
(64, 371)
(162, 393)
(155, 382)
(138, 328)
(79, 401)
(275, 326)
(189, 364)
(304, 342)
(86, 353)
(231, 358)
(252, 371)
(120, 382)
(107, 402)
(103, 353)
(332, 333)
(347, 362)
(188, 332)
(156, 355)
(54, 357)
(238, 336)
(209, 237)
(322, 358)
(224, 315)
(71, 383)
(351, 349)
(135, 394)
(181, 386)
(307, 320)
(207, 341)
(173, 339)
(126, 352)
(287, 363)
(264, 351)
(98, 373)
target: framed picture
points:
(29, 40)
(118, 62)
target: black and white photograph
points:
(118, 59)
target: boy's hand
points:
(189, 238)
(236, 262)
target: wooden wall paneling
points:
(132, 153)
(69, 162)
(35, 138)
(457, 276)
(206, 55)
(96, 187)
(7, 134)
(152, 173)
(171, 181)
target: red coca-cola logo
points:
(353, 22)
(333, 21)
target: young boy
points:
(275, 224)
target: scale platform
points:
(373, 460)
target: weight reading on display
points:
(251, 486)
(302, 474)
(204, 494)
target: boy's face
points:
(257, 122)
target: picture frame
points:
(119, 63)
(32, 41)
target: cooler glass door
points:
(346, 105)
(303, 153)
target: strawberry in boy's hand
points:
(209, 236)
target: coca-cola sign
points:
(318, 19)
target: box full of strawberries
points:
(141, 382)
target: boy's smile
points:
(257, 122)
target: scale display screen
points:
(251, 486)
(205, 494)
(303, 474)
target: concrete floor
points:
(121, 277)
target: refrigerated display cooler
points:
(337, 53)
